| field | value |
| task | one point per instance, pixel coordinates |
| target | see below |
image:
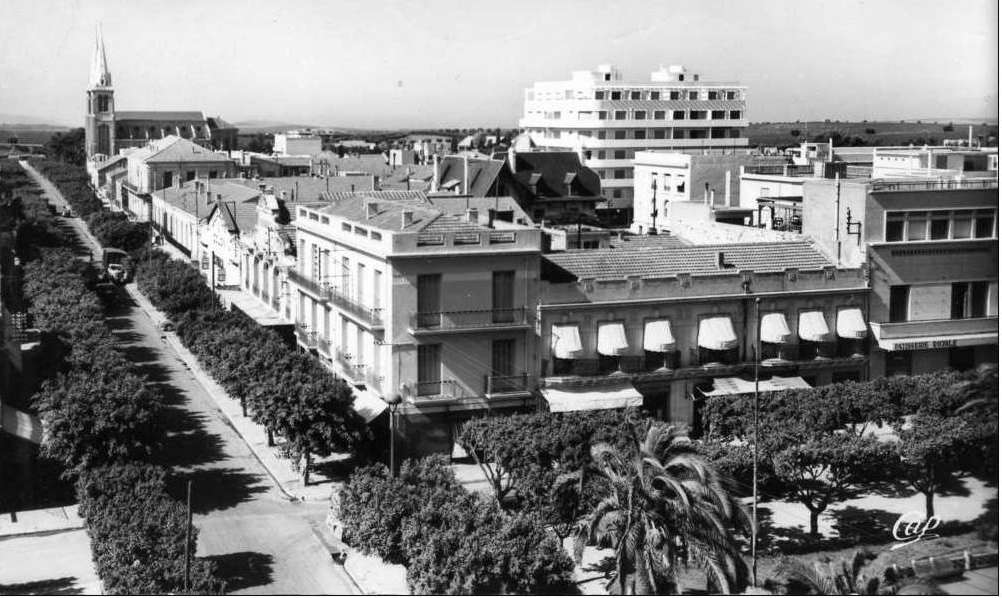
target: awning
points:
(658, 337)
(589, 399)
(368, 405)
(717, 334)
(923, 343)
(565, 341)
(21, 424)
(849, 323)
(611, 339)
(813, 326)
(774, 328)
(740, 386)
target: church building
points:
(107, 130)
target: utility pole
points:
(187, 546)
(758, 358)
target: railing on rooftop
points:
(781, 170)
(933, 185)
(470, 319)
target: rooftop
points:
(199, 197)
(666, 261)
(175, 149)
(159, 115)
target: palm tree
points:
(667, 508)
(981, 390)
(848, 578)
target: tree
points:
(666, 505)
(68, 147)
(931, 450)
(848, 578)
(795, 132)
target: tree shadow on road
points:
(62, 586)
(216, 489)
(242, 570)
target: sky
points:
(446, 63)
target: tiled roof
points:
(218, 123)
(164, 115)
(458, 205)
(308, 188)
(201, 203)
(662, 261)
(553, 168)
(175, 149)
(388, 215)
(645, 241)
(483, 174)
(393, 195)
(240, 216)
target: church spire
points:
(100, 76)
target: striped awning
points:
(775, 328)
(368, 405)
(611, 339)
(849, 323)
(717, 334)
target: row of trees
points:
(451, 541)
(100, 422)
(288, 393)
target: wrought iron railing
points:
(494, 385)
(438, 389)
(481, 318)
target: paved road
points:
(261, 542)
(47, 564)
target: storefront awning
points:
(611, 339)
(21, 424)
(565, 341)
(368, 405)
(590, 399)
(849, 323)
(740, 386)
(658, 337)
(717, 334)
(924, 343)
(775, 328)
(813, 326)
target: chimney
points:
(491, 213)
(713, 198)
(219, 197)
(471, 215)
(706, 192)
(371, 209)
(466, 174)
(727, 188)
(434, 174)
(721, 263)
(406, 218)
(511, 156)
(970, 135)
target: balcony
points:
(373, 316)
(374, 380)
(324, 346)
(434, 390)
(468, 321)
(936, 334)
(305, 337)
(345, 362)
(506, 385)
(934, 185)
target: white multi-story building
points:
(607, 120)
(297, 143)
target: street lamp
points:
(653, 230)
(394, 402)
(758, 358)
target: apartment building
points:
(661, 323)
(665, 179)
(607, 120)
(179, 214)
(930, 247)
(940, 162)
(297, 143)
(403, 297)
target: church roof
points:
(158, 115)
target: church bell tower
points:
(99, 126)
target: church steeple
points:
(100, 76)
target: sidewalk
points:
(280, 469)
(40, 521)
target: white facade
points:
(294, 143)
(607, 120)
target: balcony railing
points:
(374, 380)
(340, 297)
(910, 185)
(276, 304)
(308, 338)
(438, 389)
(471, 319)
(791, 170)
(496, 385)
(324, 346)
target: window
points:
(602, 115)
(735, 114)
(969, 300)
(601, 134)
(984, 224)
(639, 134)
(619, 134)
(377, 289)
(655, 95)
(346, 227)
(189, 175)
(962, 224)
(168, 179)
(599, 95)
(617, 193)
(697, 114)
(620, 115)
(429, 373)
(718, 114)
(898, 363)
(678, 133)
(635, 95)
(693, 95)
(619, 154)
(429, 301)
(600, 154)
(711, 95)
(939, 226)
(674, 95)
(619, 173)
(958, 300)
(659, 115)
(502, 364)
(659, 133)
(639, 115)
(898, 304)
(731, 95)
(503, 294)
(917, 225)
(678, 114)
(616, 95)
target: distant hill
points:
(784, 134)
(272, 126)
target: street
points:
(261, 542)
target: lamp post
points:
(758, 358)
(394, 402)
(653, 230)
